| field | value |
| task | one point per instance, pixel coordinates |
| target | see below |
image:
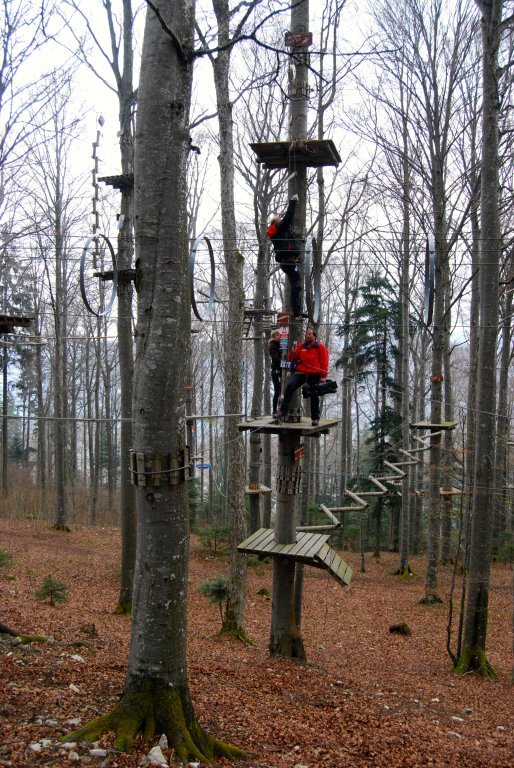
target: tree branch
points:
(176, 42)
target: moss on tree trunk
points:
(475, 660)
(230, 626)
(152, 708)
(290, 646)
(124, 608)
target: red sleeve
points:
(323, 360)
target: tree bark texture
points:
(234, 615)
(476, 611)
(156, 696)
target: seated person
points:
(311, 360)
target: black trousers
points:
(276, 378)
(296, 380)
(295, 281)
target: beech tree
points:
(473, 654)
(118, 60)
(156, 697)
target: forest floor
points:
(365, 697)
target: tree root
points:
(404, 574)
(124, 608)
(238, 633)
(5, 630)
(288, 646)
(150, 708)
(475, 660)
(431, 599)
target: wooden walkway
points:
(310, 548)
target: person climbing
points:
(287, 251)
(276, 372)
(311, 360)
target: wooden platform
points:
(120, 181)
(9, 322)
(254, 491)
(434, 427)
(313, 153)
(268, 425)
(310, 548)
(450, 491)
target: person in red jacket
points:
(311, 360)
(287, 252)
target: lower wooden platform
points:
(268, 425)
(310, 548)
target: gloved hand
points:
(295, 197)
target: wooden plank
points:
(255, 538)
(272, 546)
(302, 543)
(330, 560)
(141, 477)
(316, 545)
(156, 469)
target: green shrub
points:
(52, 590)
(5, 558)
(214, 537)
(216, 589)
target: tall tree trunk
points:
(156, 696)
(473, 654)
(5, 413)
(124, 322)
(234, 614)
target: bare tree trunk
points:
(5, 412)
(404, 568)
(473, 654)
(124, 322)
(234, 614)
(156, 696)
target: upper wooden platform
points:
(9, 322)
(310, 548)
(121, 181)
(268, 425)
(285, 154)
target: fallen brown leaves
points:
(365, 697)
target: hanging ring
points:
(312, 279)
(429, 280)
(212, 283)
(83, 293)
